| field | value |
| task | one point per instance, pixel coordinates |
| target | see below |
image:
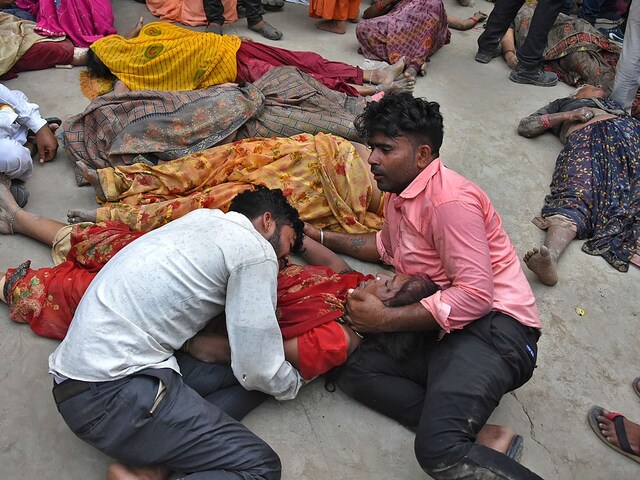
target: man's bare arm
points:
(360, 246)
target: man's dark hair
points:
(253, 203)
(403, 345)
(96, 67)
(400, 114)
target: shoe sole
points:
(527, 81)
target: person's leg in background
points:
(627, 79)
(498, 22)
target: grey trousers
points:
(185, 433)
(627, 79)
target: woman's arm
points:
(536, 124)
(379, 8)
(316, 254)
(458, 24)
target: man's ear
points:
(265, 223)
(423, 156)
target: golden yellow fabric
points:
(322, 176)
(167, 57)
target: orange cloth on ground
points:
(189, 12)
(168, 57)
(334, 9)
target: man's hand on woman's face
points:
(365, 312)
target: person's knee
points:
(270, 466)
(15, 160)
(439, 450)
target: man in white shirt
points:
(118, 384)
(17, 118)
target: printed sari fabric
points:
(322, 176)
(83, 21)
(575, 50)
(115, 128)
(414, 29)
(188, 12)
(168, 57)
(596, 183)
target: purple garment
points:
(82, 21)
(415, 29)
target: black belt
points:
(69, 389)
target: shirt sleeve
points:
(257, 351)
(460, 238)
(28, 113)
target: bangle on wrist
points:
(510, 51)
(475, 20)
(321, 237)
(544, 120)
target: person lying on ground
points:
(23, 133)
(325, 177)
(595, 190)
(24, 50)
(163, 56)
(151, 125)
(409, 29)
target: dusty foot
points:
(80, 215)
(120, 471)
(91, 176)
(608, 429)
(541, 262)
(388, 74)
(405, 84)
(411, 72)
(8, 204)
(333, 26)
(496, 437)
(136, 29)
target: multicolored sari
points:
(322, 176)
(414, 29)
(83, 21)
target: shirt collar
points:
(420, 182)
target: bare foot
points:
(388, 74)
(541, 262)
(8, 204)
(80, 215)
(497, 437)
(91, 176)
(120, 471)
(333, 26)
(135, 31)
(608, 429)
(405, 84)
(411, 72)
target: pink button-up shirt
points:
(445, 226)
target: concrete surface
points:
(584, 360)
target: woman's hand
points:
(583, 114)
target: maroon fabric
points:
(255, 59)
(42, 55)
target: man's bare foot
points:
(120, 471)
(388, 74)
(8, 205)
(91, 176)
(541, 262)
(333, 26)
(608, 430)
(405, 84)
(80, 215)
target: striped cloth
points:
(167, 57)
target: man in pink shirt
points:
(480, 331)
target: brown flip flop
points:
(636, 385)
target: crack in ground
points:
(532, 430)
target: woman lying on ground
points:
(595, 191)
(575, 51)
(325, 177)
(310, 300)
(148, 126)
(24, 50)
(83, 21)
(163, 56)
(409, 29)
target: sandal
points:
(636, 386)
(514, 451)
(53, 121)
(19, 192)
(618, 420)
(268, 31)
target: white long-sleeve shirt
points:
(163, 288)
(25, 114)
